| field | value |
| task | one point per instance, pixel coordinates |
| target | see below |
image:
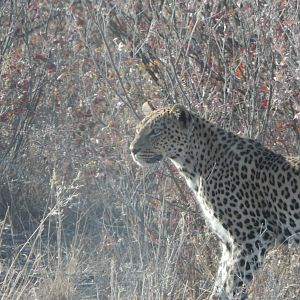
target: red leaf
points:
(40, 56)
(264, 103)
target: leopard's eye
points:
(155, 132)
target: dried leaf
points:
(79, 22)
(239, 71)
(36, 39)
(111, 74)
(231, 11)
(264, 88)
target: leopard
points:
(248, 195)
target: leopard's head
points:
(162, 133)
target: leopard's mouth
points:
(147, 158)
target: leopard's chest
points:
(211, 219)
(196, 184)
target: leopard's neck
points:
(204, 152)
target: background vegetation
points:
(79, 220)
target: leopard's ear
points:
(183, 116)
(147, 108)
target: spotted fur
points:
(248, 195)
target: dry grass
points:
(137, 253)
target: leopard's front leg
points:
(225, 266)
(236, 271)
